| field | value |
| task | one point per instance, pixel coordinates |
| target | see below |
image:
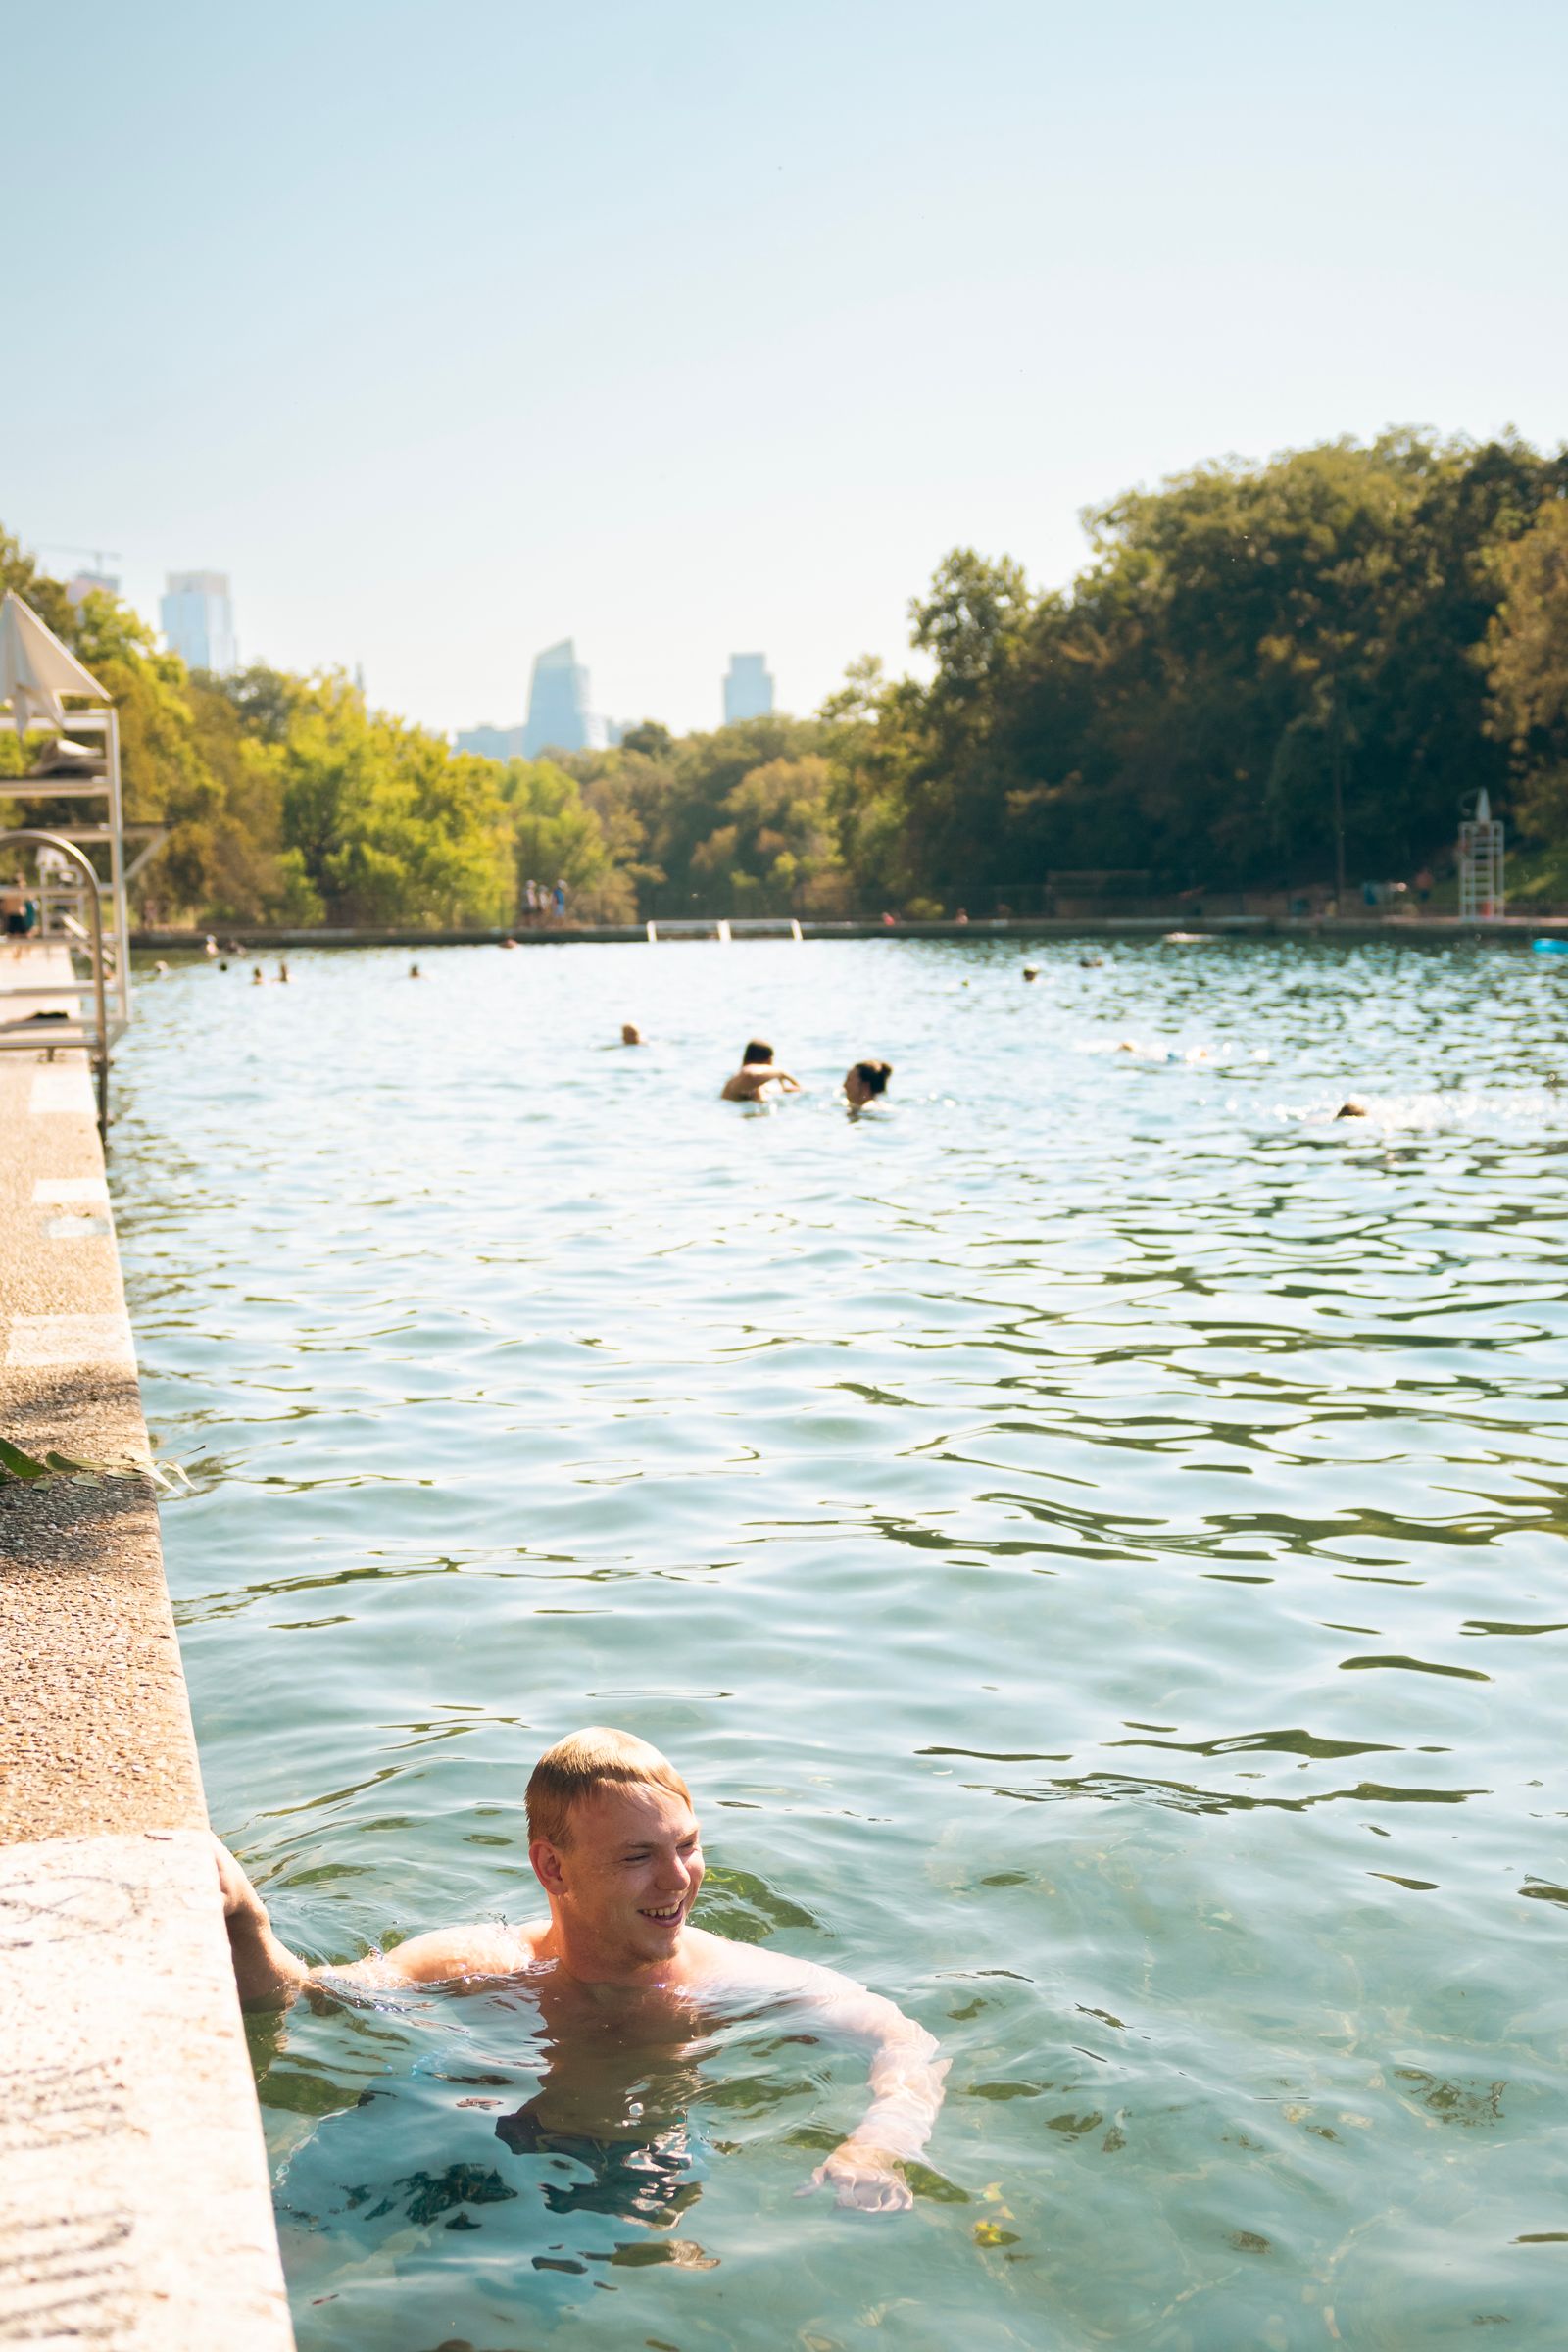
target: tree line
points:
(1352, 638)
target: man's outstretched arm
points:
(268, 1975)
(907, 2079)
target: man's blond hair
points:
(581, 1765)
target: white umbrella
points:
(36, 669)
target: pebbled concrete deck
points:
(134, 2207)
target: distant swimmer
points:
(282, 973)
(258, 976)
(1191, 1054)
(622, 1980)
(1090, 964)
(1353, 1107)
(865, 1081)
(1031, 972)
(414, 972)
(631, 1035)
(757, 1072)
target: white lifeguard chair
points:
(80, 860)
(1480, 875)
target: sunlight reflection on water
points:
(1091, 1534)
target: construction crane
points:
(100, 555)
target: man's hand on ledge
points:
(864, 2179)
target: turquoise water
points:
(1092, 1535)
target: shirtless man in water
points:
(757, 1072)
(614, 1843)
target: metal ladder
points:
(35, 968)
(723, 927)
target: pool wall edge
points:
(1424, 930)
(135, 2209)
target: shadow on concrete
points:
(60, 1520)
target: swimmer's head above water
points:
(758, 1071)
(865, 1081)
(614, 1843)
(631, 1035)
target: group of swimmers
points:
(759, 1076)
(216, 955)
(863, 1081)
(757, 1079)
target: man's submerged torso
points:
(623, 2064)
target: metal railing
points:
(724, 927)
(96, 1041)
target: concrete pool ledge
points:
(135, 2212)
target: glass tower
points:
(558, 704)
(749, 688)
(198, 621)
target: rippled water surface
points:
(1091, 1535)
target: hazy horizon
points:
(448, 335)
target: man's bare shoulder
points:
(720, 1970)
(486, 1951)
(708, 1957)
(717, 1963)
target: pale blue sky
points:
(451, 330)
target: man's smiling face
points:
(628, 1875)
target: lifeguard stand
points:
(1481, 877)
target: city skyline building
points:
(748, 688)
(558, 703)
(559, 718)
(198, 621)
(82, 584)
(486, 742)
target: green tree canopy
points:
(1527, 663)
(1182, 706)
(1392, 615)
